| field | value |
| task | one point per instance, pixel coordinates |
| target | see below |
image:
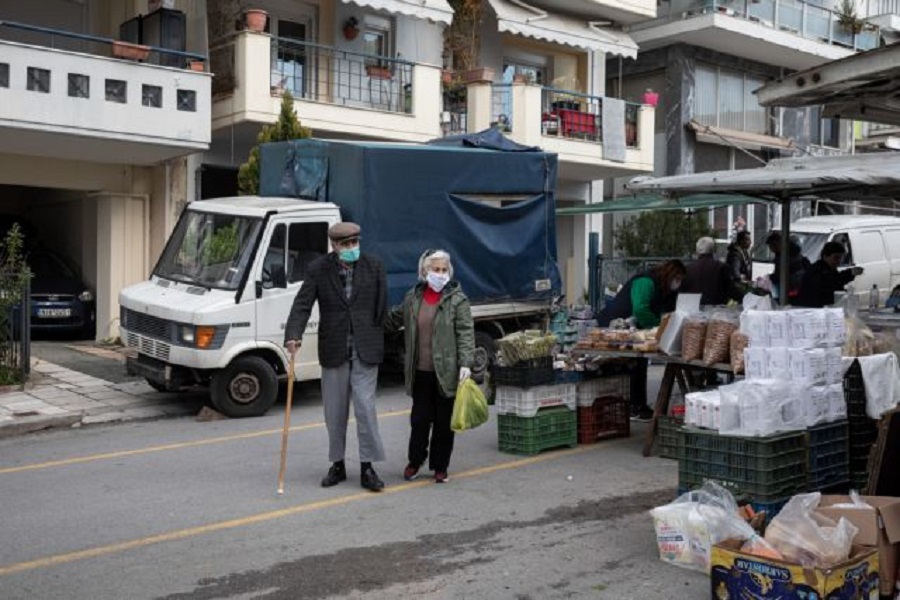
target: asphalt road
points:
(180, 509)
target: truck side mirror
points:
(279, 279)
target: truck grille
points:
(145, 324)
(148, 346)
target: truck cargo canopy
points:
(492, 211)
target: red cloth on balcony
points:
(575, 122)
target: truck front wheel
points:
(247, 387)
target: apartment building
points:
(377, 69)
(96, 137)
(706, 58)
(102, 150)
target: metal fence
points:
(15, 334)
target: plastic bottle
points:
(873, 297)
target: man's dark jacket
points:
(712, 279)
(820, 282)
(365, 309)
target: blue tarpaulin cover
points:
(493, 211)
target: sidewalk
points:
(56, 396)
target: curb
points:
(25, 425)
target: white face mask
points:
(437, 281)
(675, 285)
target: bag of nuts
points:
(739, 342)
(693, 336)
(717, 346)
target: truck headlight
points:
(200, 336)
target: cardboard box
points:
(736, 575)
(878, 528)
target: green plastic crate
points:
(668, 437)
(549, 428)
(764, 469)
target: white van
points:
(872, 242)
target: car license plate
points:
(54, 313)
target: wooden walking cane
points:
(287, 425)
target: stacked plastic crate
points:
(603, 407)
(764, 471)
(533, 412)
(862, 431)
(829, 451)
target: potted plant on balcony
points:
(130, 51)
(255, 19)
(462, 40)
(848, 17)
(351, 28)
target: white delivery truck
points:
(214, 309)
(872, 242)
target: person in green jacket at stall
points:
(644, 299)
(439, 336)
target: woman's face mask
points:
(676, 283)
(437, 281)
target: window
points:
(844, 240)
(870, 248)
(377, 40)
(38, 80)
(725, 98)
(116, 91)
(531, 73)
(187, 100)
(4, 75)
(305, 242)
(822, 131)
(151, 95)
(79, 86)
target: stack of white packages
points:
(793, 376)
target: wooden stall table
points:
(676, 370)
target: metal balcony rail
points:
(882, 7)
(575, 115)
(93, 44)
(454, 115)
(806, 19)
(327, 74)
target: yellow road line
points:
(166, 447)
(180, 534)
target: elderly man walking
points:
(351, 290)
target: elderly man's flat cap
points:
(342, 231)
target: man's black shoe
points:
(369, 479)
(642, 414)
(336, 474)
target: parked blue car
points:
(60, 301)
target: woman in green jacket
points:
(439, 337)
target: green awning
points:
(641, 202)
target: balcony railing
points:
(326, 74)
(882, 7)
(805, 19)
(94, 44)
(454, 115)
(575, 115)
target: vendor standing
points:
(822, 279)
(644, 298)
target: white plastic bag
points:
(688, 528)
(805, 537)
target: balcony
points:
(52, 101)
(568, 123)
(337, 93)
(600, 10)
(807, 34)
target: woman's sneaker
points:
(410, 472)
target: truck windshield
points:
(810, 246)
(210, 250)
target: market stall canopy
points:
(438, 11)
(864, 86)
(657, 202)
(540, 24)
(857, 177)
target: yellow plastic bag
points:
(470, 409)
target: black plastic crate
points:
(829, 446)
(668, 436)
(773, 445)
(527, 373)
